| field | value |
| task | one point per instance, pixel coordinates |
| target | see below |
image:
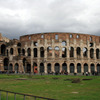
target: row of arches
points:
(79, 51)
(57, 67)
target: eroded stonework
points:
(51, 52)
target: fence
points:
(24, 95)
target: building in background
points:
(51, 52)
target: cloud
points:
(21, 17)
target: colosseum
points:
(50, 53)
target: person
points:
(86, 73)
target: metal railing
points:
(24, 95)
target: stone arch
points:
(64, 51)
(98, 68)
(57, 51)
(16, 68)
(85, 52)
(78, 68)
(35, 52)
(11, 51)
(28, 68)
(23, 52)
(92, 67)
(97, 53)
(28, 52)
(24, 64)
(49, 51)
(42, 52)
(3, 49)
(71, 51)
(72, 68)
(48, 67)
(64, 67)
(91, 53)
(35, 70)
(78, 52)
(19, 51)
(19, 44)
(41, 67)
(85, 67)
(57, 67)
(10, 67)
(6, 63)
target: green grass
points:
(48, 86)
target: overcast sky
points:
(21, 17)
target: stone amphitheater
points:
(50, 53)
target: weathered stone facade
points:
(51, 52)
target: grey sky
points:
(21, 17)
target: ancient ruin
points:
(50, 52)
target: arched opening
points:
(3, 49)
(41, 67)
(11, 51)
(78, 52)
(71, 51)
(24, 64)
(92, 67)
(91, 53)
(35, 52)
(41, 52)
(16, 68)
(72, 68)
(49, 68)
(28, 69)
(98, 68)
(23, 52)
(7, 53)
(28, 52)
(64, 52)
(64, 43)
(19, 51)
(85, 52)
(19, 44)
(85, 68)
(35, 70)
(64, 67)
(78, 68)
(6, 63)
(57, 68)
(49, 51)
(10, 67)
(97, 53)
(56, 51)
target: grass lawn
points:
(51, 86)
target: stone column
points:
(52, 67)
(82, 68)
(68, 68)
(88, 53)
(60, 67)
(94, 54)
(45, 68)
(89, 68)
(60, 52)
(38, 67)
(75, 71)
(75, 55)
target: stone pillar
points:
(94, 54)
(95, 68)
(45, 68)
(53, 52)
(52, 67)
(38, 67)
(82, 68)
(68, 68)
(60, 67)
(38, 50)
(75, 71)
(89, 68)
(82, 53)
(60, 52)
(45, 53)
(88, 53)
(75, 55)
